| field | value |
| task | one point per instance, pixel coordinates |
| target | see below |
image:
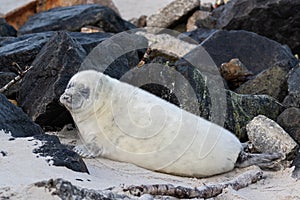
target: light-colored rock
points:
(168, 44)
(268, 137)
(199, 14)
(172, 12)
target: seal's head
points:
(81, 91)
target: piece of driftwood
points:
(16, 79)
(66, 190)
(206, 191)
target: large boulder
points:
(15, 121)
(275, 19)
(272, 82)
(119, 54)
(174, 12)
(42, 86)
(256, 52)
(73, 18)
(21, 50)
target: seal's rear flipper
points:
(264, 160)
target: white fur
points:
(124, 123)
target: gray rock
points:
(256, 52)
(268, 137)
(15, 121)
(172, 13)
(73, 18)
(198, 15)
(167, 44)
(6, 29)
(289, 120)
(42, 86)
(275, 19)
(272, 82)
(293, 98)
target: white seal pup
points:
(124, 123)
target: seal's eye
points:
(85, 92)
(70, 85)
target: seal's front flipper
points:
(265, 161)
(88, 150)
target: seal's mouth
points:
(66, 100)
(69, 102)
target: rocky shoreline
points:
(235, 64)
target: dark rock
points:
(272, 82)
(6, 29)
(119, 54)
(289, 119)
(174, 13)
(243, 108)
(199, 34)
(21, 50)
(6, 77)
(275, 19)
(42, 86)
(293, 98)
(73, 18)
(268, 137)
(59, 153)
(66, 190)
(296, 163)
(15, 121)
(90, 40)
(256, 52)
(43, 5)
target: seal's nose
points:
(65, 98)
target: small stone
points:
(235, 72)
(268, 137)
(289, 120)
(139, 22)
(59, 154)
(199, 14)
